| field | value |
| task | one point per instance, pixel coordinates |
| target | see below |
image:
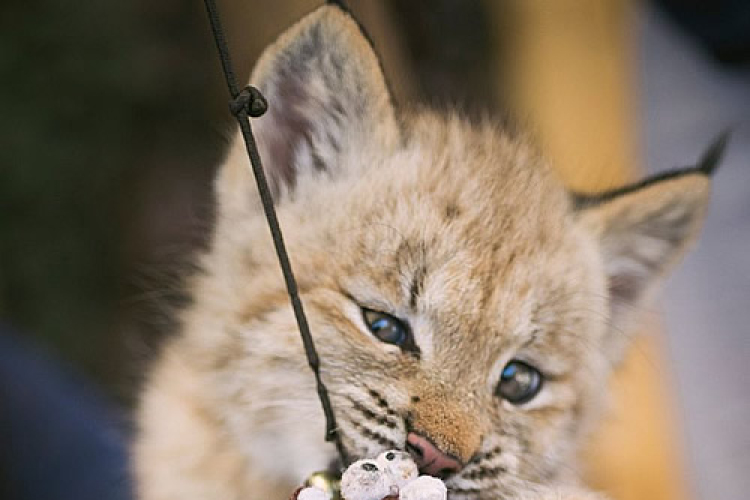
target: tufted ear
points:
(644, 229)
(326, 95)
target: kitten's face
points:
(476, 262)
(452, 288)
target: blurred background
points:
(113, 117)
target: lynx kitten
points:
(466, 307)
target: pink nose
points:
(429, 458)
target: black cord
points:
(249, 102)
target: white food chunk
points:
(424, 488)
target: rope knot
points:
(249, 101)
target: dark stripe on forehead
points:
(417, 284)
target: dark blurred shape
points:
(109, 140)
(721, 26)
(449, 45)
(59, 440)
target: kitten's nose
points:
(430, 460)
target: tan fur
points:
(451, 427)
(458, 228)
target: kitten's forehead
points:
(452, 178)
(462, 192)
(464, 219)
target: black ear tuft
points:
(340, 4)
(707, 165)
(713, 155)
(343, 7)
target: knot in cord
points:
(249, 101)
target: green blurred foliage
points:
(94, 95)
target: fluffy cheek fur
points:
(264, 390)
(268, 397)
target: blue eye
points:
(386, 328)
(519, 382)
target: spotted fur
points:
(458, 228)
